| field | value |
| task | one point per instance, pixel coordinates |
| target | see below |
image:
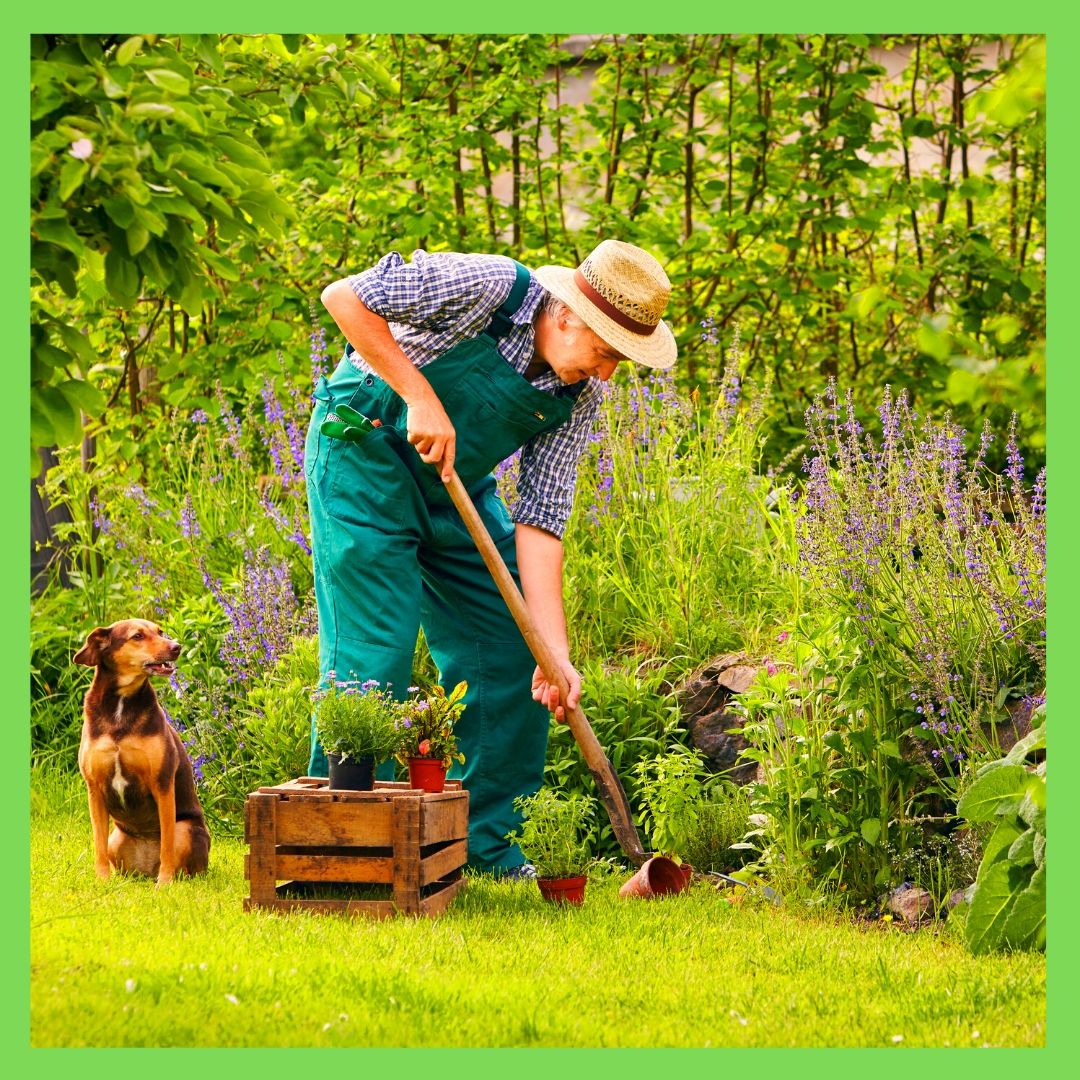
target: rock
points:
(703, 698)
(956, 898)
(711, 735)
(909, 903)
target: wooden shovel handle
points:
(607, 781)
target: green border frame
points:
(791, 16)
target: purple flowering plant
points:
(922, 611)
(425, 724)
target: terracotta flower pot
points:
(658, 876)
(351, 774)
(688, 872)
(427, 774)
(569, 890)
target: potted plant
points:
(554, 836)
(355, 724)
(426, 743)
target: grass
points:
(121, 963)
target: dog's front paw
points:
(103, 869)
(164, 879)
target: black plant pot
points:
(351, 774)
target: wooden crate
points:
(302, 835)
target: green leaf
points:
(1025, 927)
(871, 830)
(992, 903)
(170, 81)
(40, 156)
(221, 264)
(119, 210)
(1022, 849)
(83, 395)
(1033, 740)
(150, 110)
(996, 791)
(126, 53)
(121, 278)
(243, 154)
(137, 239)
(72, 174)
(61, 416)
(59, 232)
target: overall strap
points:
(500, 321)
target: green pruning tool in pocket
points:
(346, 423)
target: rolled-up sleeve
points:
(547, 475)
(436, 290)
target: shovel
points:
(607, 782)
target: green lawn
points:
(121, 963)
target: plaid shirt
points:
(442, 298)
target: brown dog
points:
(136, 768)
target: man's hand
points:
(548, 693)
(432, 433)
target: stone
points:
(909, 903)
(712, 734)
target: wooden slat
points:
(375, 909)
(437, 902)
(406, 839)
(343, 868)
(342, 824)
(444, 819)
(443, 861)
(261, 859)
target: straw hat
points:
(620, 292)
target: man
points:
(463, 359)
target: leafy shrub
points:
(634, 716)
(721, 822)
(669, 790)
(1008, 901)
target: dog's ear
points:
(90, 653)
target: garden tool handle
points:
(607, 781)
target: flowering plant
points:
(356, 719)
(425, 725)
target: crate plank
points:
(375, 909)
(261, 864)
(339, 823)
(344, 868)
(443, 862)
(437, 902)
(406, 832)
(444, 819)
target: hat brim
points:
(655, 350)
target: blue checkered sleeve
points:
(548, 473)
(448, 294)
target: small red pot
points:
(427, 774)
(688, 872)
(570, 890)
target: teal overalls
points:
(391, 553)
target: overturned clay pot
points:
(658, 876)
